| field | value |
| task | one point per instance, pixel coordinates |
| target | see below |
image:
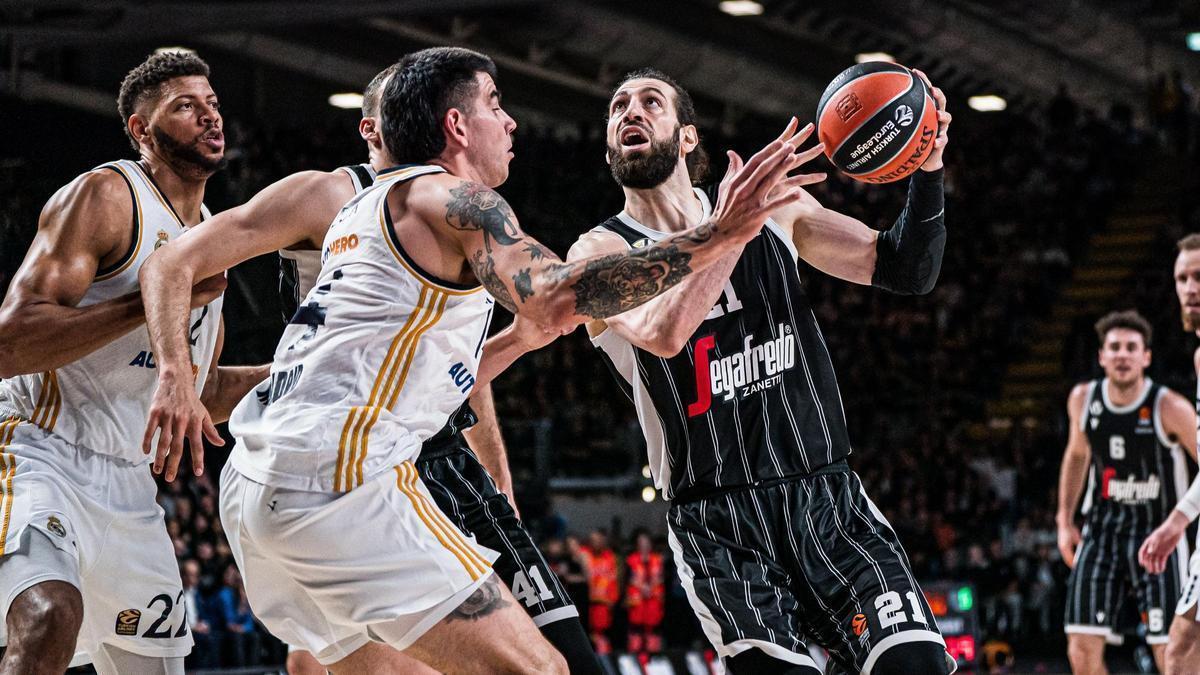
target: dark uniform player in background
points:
(775, 540)
(1183, 643)
(293, 216)
(1132, 433)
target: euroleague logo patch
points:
(859, 624)
(127, 621)
(904, 115)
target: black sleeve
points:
(910, 252)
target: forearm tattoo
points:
(619, 282)
(606, 286)
(482, 602)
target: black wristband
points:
(909, 255)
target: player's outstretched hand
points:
(176, 413)
(934, 161)
(752, 190)
(1068, 541)
(1162, 542)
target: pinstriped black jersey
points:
(752, 396)
(1137, 472)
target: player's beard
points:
(1191, 320)
(186, 154)
(646, 170)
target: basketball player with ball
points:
(775, 540)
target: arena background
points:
(1061, 207)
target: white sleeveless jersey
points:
(100, 402)
(375, 360)
(298, 269)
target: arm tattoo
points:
(523, 283)
(619, 282)
(476, 207)
(482, 602)
(536, 251)
(485, 271)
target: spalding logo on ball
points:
(877, 121)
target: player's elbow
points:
(665, 343)
(10, 363)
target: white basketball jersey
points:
(299, 268)
(375, 360)
(100, 402)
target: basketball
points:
(877, 121)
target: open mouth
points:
(634, 138)
(214, 139)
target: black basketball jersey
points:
(1137, 472)
(752, 395)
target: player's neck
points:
(457, 166)
(1124, 395)
(379, 159)
(670, 207)
(185, 194)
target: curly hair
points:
(144, 82)
(425, 86)
(685, 112)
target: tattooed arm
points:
(663, 325)
(528, 279)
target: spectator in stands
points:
(243, 644)
(206, 635)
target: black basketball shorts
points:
(768, 566)
(467, 495)
(1107, 571)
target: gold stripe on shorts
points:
(447, 534)
(8, 467)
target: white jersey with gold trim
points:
(376, 358)
(100, 401)
(298, 268)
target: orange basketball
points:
(877, 121)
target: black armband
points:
(909, 255)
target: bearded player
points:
(773, 536)
(86, 565)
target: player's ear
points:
(139, 128)
(368, 128)
(455, 128)
(689, 138)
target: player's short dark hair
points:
(1130, 320)
(370, 105)
(145, 82)
(685, 112)
(1190, 242)
(425, 85)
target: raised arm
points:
(905, 258)
(85, 224)
(528, 279)
(1179, 422)
(296, 209)
(1071, 479)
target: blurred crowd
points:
(1023, 193)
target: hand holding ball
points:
(878, 122)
